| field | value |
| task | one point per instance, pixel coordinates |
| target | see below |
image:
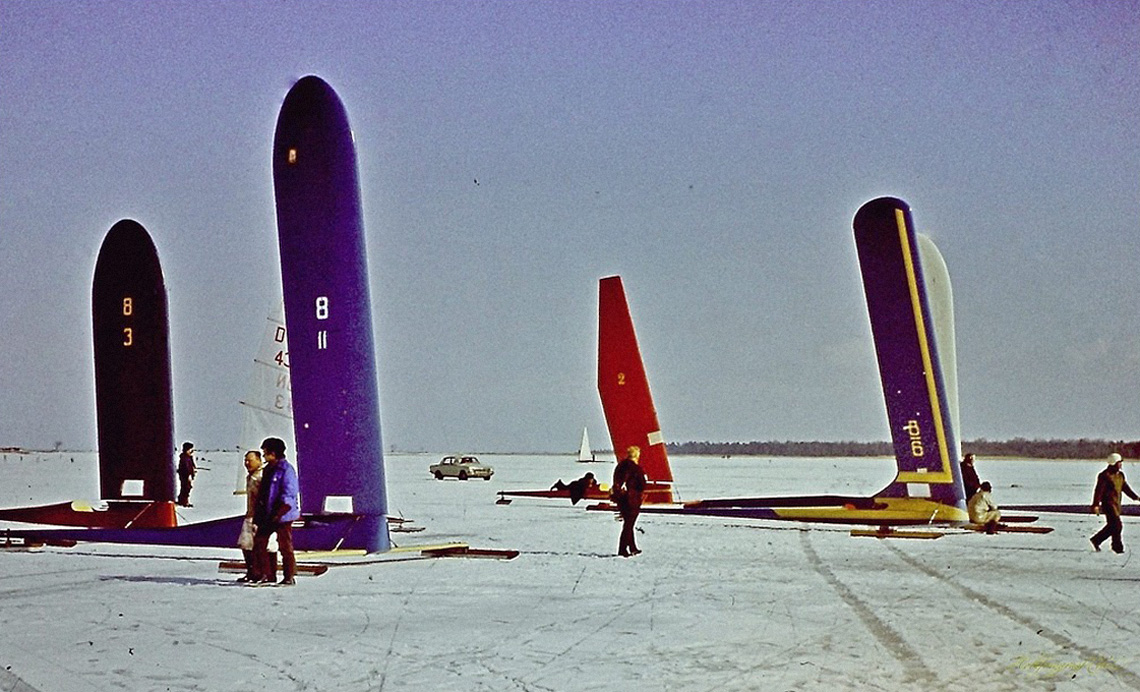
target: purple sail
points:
(324, 273)
(919, 406)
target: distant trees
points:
(782, 449)
(1018, 447)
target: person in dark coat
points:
(626, 493)
(278, 506)
(186, 472)
(969, 476)
(1110, 484)
(577, 489)
(580, 487)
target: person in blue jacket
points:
(278, 506)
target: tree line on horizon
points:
(1018, 447)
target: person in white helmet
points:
(1110, 484)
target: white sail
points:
(584, 452)
(267, 410)
(941, 300)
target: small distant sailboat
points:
(585, 454)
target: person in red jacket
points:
(626, 491)
(1110, 484)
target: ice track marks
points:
(910, 659)
(1123, 675)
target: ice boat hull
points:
(110, 514)
(328, 532)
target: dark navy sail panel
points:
(133, 399)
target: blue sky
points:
(513, 153)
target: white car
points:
(461, 467)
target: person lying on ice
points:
(578, 488)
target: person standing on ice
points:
(278, 506)
(187, 469)
(253, 466)
(626, 491)
(969, 476)
(1110, 484)
(982, 509)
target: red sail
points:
(624, 390)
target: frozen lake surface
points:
(710, 605)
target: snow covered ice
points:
(711, 604)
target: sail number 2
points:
(621, 379)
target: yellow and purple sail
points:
(909, 303)
(324, 273)
(907, 289)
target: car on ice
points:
(461, 467)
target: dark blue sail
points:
(324, 273)
(132, 368)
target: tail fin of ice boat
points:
(909, 302)
(624, 390)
